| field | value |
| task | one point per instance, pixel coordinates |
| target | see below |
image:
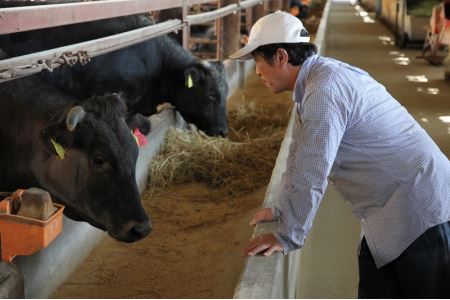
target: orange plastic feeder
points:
(21, 235)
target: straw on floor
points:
(231, 166)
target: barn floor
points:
(193, 252)
(195, 249)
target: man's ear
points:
(281, 56)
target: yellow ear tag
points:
(59, 149)
(189, 82)
(135, 137)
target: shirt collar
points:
(303, 74)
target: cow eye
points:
(98, 162)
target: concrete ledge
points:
(11, 281)
(269, 277)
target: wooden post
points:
(231, 31)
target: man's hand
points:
(265, 244)
(263, 214)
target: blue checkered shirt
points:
(350, 130)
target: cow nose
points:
(140, 231)
(223, 132)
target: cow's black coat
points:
(147, 74)
(96, 179)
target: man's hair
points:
(298, 52)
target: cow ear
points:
(57, 139)
(192, 77)
(122, 99)
(139, 121)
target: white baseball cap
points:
(277, 27)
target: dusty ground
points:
(193, 252)
(195, 249)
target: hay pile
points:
(237, 165)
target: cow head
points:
(89, 165)
(202, 99)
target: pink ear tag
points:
(141, 140)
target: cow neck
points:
(174, 61)
(31, 107)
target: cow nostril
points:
(223, 133)
(140, 231)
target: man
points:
(350, 130)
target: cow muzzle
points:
(133, 231)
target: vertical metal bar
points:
(187, 28)
(274, 5)
(249, 18)
(219, 34)
(266, 7)
(231, 34)
(258, 11)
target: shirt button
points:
(363, 221)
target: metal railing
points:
(23, 18)
(43, 16)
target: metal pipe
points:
(212, 15)
(16, 19)
(250, 3)
(50, 59)
(34, 63)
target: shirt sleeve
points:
(317, 132)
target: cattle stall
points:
(45, 270)
(408, 19)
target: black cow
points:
(84, 154)
(147, 74)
